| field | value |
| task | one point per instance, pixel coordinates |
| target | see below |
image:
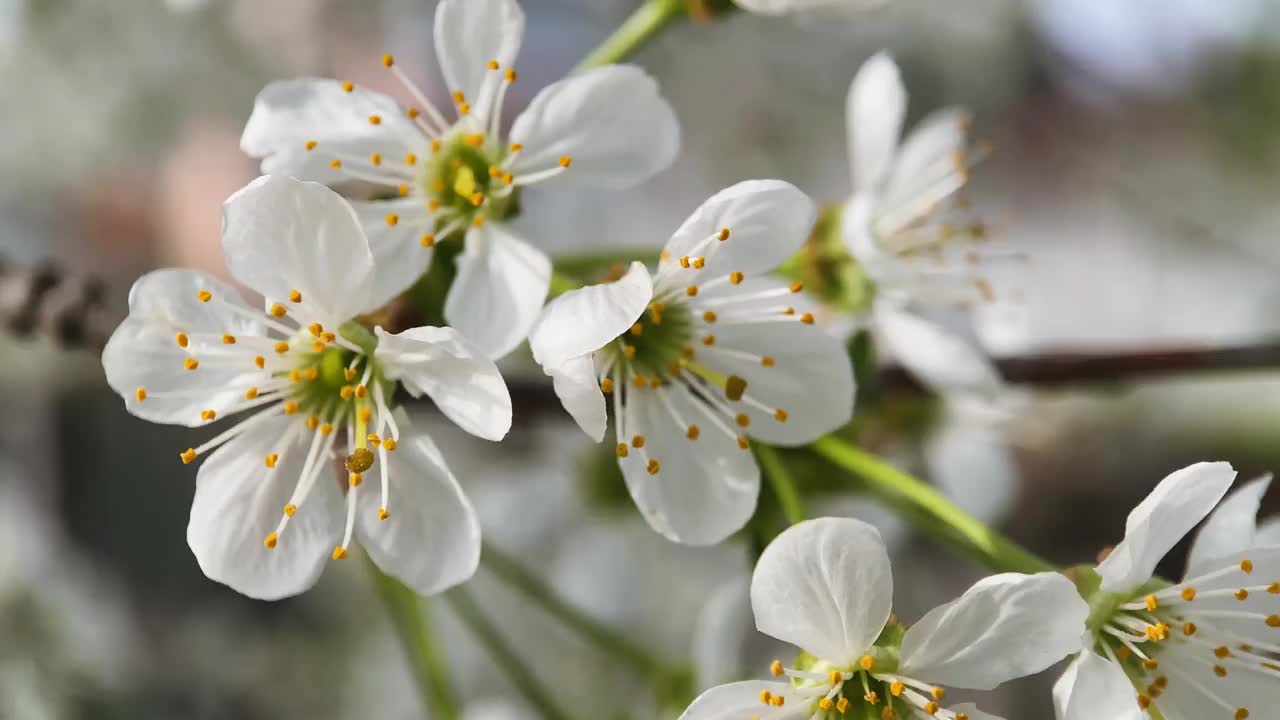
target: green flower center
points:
(465, 181)
(655, 345)
(333, 383)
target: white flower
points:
(267, 513)
(791, 7)
(699, 357)
(894, 227)
(606, 127)
(1203, 648)
(825, 586)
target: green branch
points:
(784, 486)
(427, 663)
(545, 597)
(996, 551)
(503, 654)
(644, 23)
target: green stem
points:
(544, 596)
(784, 486)
(503, 654)
(643, 24)
(996, 551)
(413, 626)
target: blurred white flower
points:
(1200, 648)
(825, 585)
(699, 357)
(606, 127)
(192, 351)
(894, 227)
(789, 7)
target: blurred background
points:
(1134, 155)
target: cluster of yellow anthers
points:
(466, 175)
(827, 692)
(1183, 625)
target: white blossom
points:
(825, 586)
(267, 513)
(603, 128)
(699, 358)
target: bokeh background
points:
(1134, 156)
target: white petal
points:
(610, 121)
(281, 234)
(469, 35)
(444, 365)
(290, 113)
(768, 221)
(741, 700)
(498, 293)
(1094, 688)
(811, 378)
(971, 710)
(783, 7)
(239, 501)
(431, 538)
(874, 110)
(579, 391)
(143, 351)
(584, 320)
(970, 460)
(942, 360)
(928, 154)
(1004, 627)
(399, 258)
(1176, 506)
(825, 586)
(706, 489)
(1231, 528)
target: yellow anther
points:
(339, 553)
(290, 509)
(566, 161)
(516, 147)
(723, 234)
(476, 198)
(835, 677)
(412, 112)
(295, 376)
(1144, 700)
(606, 385)
(653, 467)
(709, 316)
(362, 392)
(365, 414)
(140, 394)
(866, 662)
(1161, 682)
(691, 291)
(208, 415)
(464, 108)
(347, 86)
(228, 339)
(474, 140)
(1123, 653)
(1242, 594)
(931, 708)
(1188, 594)
(290, 407)
(768, 361)
(896, 688)
(1219, 671)
(270, 541)
(260, 361)
(622, 450)
(1189, 629)
(270, 461)
(736, 277)
(684, 261)
(251, 394)
(699, 263)
(383, 514)
(1151, 602)
(375, 119)
(335, 164)
(637, 442)
(313, 422)
(427, 240)
(389, 444)
(789, 311)
(311, 145)
(826, 705)
(478, 221)
(278, 311)
(411, 159)
(1246, 566)
(807, 318)
(373, 439)
(778, 701)
(182, 339)
(888, 714)
(743, 420)
(317, 346)
(204, 296)
(1242, 714)
(511, 76)
(326, 429)
(493, 65)
(1222, 652)
(191, 363)
(743, 442)
(1273, 621)
(938, 693)
(693, 432)
(315, 329)
(1274, 588)
(282, 347)
(375, 158)
(765, 696)
(775, 667)
(354, 479)
(962, 716)
(311, 373)
(1151, 664)
(346, 392)
(188, 456)
(388, 60)
(842, 705)
(797, 287)
(629, 351)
